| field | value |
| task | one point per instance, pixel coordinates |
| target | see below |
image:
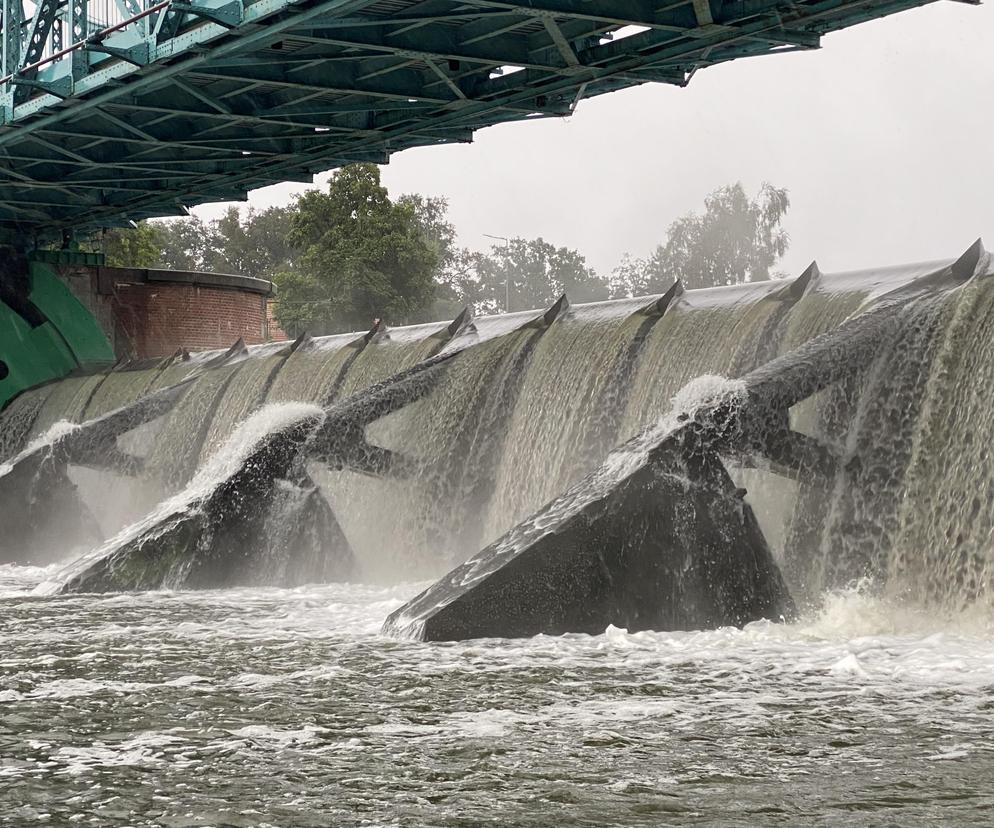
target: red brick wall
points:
(156, 319)
(276, 333)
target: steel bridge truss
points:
(117, 110)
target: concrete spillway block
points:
(237, 352)
(254, 522)
(640, 544)
(254, 516)
(657, 307)
(658, 537)
(462, 324)
(804, 283)
(559, 309)
(41, 508)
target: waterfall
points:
(564, 418)
(312, 372)
(67, 401)
(942, 548)
(454, 438)
(387, 355)
(118, 388)
(531, 405)
(242, 395)
(716, 331)
(176, 450)
(18, 418)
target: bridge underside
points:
(172, 104)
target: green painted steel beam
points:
(228, 96)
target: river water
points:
(256, 707)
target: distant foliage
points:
(130, 247)
(735, 240)
(255, 243)
(363, 256)
(533, 273)
(348, 255)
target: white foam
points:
(142, 750)
(221, 465)
(279, 737)
(52, 435)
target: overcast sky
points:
(884, 138)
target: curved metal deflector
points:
(657, 307)
(558, 310)
(360, 342)
(238, 350)
(803, 284)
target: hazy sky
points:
(884, 138)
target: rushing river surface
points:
(288, 708)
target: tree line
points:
(347, 255)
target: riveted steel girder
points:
(178, 103)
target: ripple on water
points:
(286, 707)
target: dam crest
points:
(560, 458)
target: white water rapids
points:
(287, 707)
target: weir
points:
(426, 444)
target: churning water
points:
(287, 707)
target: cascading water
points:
(18, 418)
(387, 355)
(244, 393)
(117, 389)
(717, 331)
(119, 707)
(526, 410)
(564, 418)
(312, 372)
(67, 401)
(453, 438)
(942, 547)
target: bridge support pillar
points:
(45, 331)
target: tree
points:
(636, 277)
(736, 240)
(454, 266)
(251, 244)
(364, 257)
(186, 244)
(533, 273)
(255, 243)
(431, 218)
(137, 246)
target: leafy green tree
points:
(186, 244)
(137, 246)
(364, 257)
(735, 240)
(256, 243)
(431, 219)
(525, 274)
(454, 265)
(636, 277)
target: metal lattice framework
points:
(116, 110)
